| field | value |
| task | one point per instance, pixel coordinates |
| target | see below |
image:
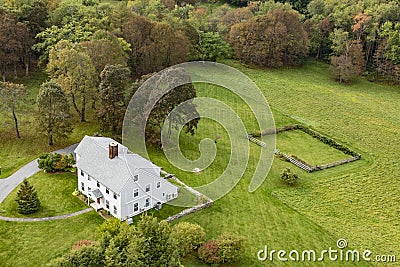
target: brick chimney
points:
(113, 150)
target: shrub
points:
(81, 243)
(52, 162)
(230, 248)
(89, 256)
(256, 133)
(208, 252)
(112, 227)
(189, 236)
(288, 177)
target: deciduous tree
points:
(12, 37)
(53, 112)
(391, 31)
(230, 247)
(211, 47)
(234, 16)
(348, 58)
(11, 101)
(319, 30)
(270, 40)
(155, 45)
(152, 245)
(88, 256)
(188, 237)
(166, 103)
(71, 66)
(105, 48)
(387, 58)
(111, 109)
(73, 32)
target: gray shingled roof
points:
(97, 193)
(112, 173)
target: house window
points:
(115, 196)
(107, 191)
(115, 209)
(135, 207)
(98, 184)
(89, 189)
(135, 178)
(148, 188)
(107, 204)
(147, 202)
(158, 184)
(136, 192)
(163, 194)
(88, 177)
(83, 186)
(82, 174)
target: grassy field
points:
(356, 201)
(35, 244)
(360, 205)
(307, 148)
(257, 216)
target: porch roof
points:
(97, 193)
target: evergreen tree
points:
(27, 198)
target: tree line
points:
(150, 242)
(93, 51)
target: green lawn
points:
(36, 243)
(307, 148)
(359, 202)
(258, 217)
(356, 201)
(55, 193)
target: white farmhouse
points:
(119, 181)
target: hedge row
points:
(326, 140)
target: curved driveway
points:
(8, 184)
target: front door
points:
(98, 201)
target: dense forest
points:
(92, 49)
